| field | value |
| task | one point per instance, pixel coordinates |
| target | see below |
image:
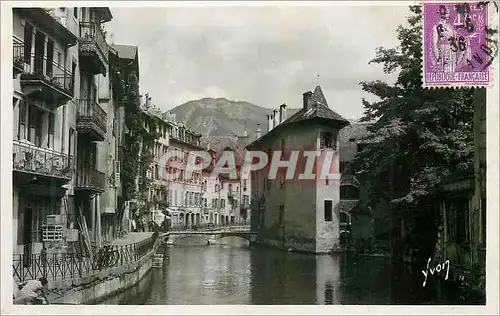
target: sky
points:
(266, 55)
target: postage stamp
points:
(459, 46)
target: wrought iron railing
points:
(18, 53)
(91, 31)
(76, 265)
(42, 68)
(43, 161)
(90, 179)
(89, 110)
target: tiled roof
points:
(126, 51)
(353, 132)
(318, 109)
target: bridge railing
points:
(216, 230)
(208, 227)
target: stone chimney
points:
(259, 131)
(282, 112)
(306, 98)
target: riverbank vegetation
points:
(420, 138)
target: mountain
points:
(223, 117)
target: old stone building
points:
(297, 214)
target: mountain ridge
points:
(220, 116)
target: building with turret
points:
(294, 214)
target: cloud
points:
(264, 55)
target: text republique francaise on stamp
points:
(459, 44)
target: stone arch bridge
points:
(212, 236)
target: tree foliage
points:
(138, 144)
(420, 136)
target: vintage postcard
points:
(255, 157)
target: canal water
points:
(234, 273)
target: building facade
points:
(299, 215)
(45, 95)
(68, 130)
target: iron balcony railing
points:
(91, 31)
(52, 73)
(91, 111)
(43, 161)
(90, 179)
(18, 54)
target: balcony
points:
(91, 120)
(90, 181)
(93, 49)
(46, 80)
(18, 56)
(43, 162)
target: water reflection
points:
(223, 274)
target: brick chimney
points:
(259, 131)
(306, 98)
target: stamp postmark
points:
(459, 46)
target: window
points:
(349, 192)
(343, 165)
(328, 210)
(49, 65)
(75, 13)
(73, 73)
(157, 175)
(71, 141)
(28, 38)
(22, 120)
(35, 125)
(344, 218)
(457, 217)
(222, 203)
(244, 185)
(281, 215)
(328, 140)
(50, 139)
(328, 293)
(245, 200)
